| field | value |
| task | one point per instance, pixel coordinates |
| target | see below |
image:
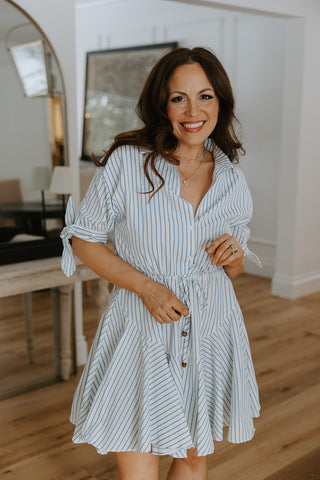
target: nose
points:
(192, 108)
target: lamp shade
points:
(61, 180)
(41, 178)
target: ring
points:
(232, 249)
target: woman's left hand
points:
(226, 251)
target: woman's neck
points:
(192, 155)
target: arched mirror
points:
(32, 139)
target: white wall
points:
(252, 50)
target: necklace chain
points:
(185, 180)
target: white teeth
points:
(193, 125)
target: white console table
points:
(27, 277)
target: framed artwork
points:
(114, 80)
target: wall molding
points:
(295, 287)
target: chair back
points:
(10, 192)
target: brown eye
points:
(176, 99)
(206, 96)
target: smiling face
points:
(192, 106)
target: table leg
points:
(27, 307)
(103, 295)
(55, 302)
(65, 329)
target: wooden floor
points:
(35, 441)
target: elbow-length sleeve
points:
(93, 223)
(241, 215)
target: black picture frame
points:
(114, 80)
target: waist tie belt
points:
(193, 289)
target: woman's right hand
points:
(162, 303)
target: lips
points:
(192, 127)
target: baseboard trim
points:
(295, 287)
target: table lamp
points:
(40, 180)
(61, 182)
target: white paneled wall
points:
(251, 48)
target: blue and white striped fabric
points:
(173, 386)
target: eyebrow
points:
(201, 91)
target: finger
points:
(181, 308)
(164, 317)
(169, 317)
(229, 258)
(175, 314)
(220, 251)
(158, 318)
(224, 250)
(233, 259)
(217, 242)
(172, 315)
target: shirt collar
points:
(171, 175)
(222, 161)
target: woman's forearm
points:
(109, 266)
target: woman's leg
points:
(137, 466)
(191, 468)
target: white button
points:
(190, 227)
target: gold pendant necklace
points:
(186, 179)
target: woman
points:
(170, 365)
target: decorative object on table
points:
(41, 180)
(61, 182)
(114, 79)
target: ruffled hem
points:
(130, 396)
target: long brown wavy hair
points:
(156, 135)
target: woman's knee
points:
(194, 463)
(137, 466)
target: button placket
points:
(186, 340)
(192, 234)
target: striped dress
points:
(165, 388)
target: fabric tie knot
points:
(200, 290)
(68, 263)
